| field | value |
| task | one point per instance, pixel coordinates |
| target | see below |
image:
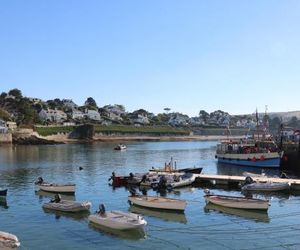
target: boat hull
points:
(158, 203)
(8, 241)
(237, 202)
(251, 160)
(266, 187)
(54, 188)
(182, 170)
(118, 220)
(68, 206)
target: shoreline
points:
(65, 139)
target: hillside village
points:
(16, 109)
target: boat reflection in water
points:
(75, 216)
(164, 215)
(3, 202)
(259, 216)
(42, 194)
(132, 234)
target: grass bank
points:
(45, 131)
(159, 130)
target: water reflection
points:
(75, 216)
(259, 216)
(3, 202)
(133, 234)
(167, 216)
(227, 169)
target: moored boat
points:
(120, 146)
(68, 206)
(171, 168)
(117, 220)
(256, 154)
(182, 181)
(54, 187)
(237, 202)
(266, 186)
(8, 241)
(3, 192)
(158, 202)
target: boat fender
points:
(216, 157)
(254, 158)
(248, 159)
(262, 158)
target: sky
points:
(185, 55)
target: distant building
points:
(77, 114)
(141, 119)
(53, 115)
(3, 128)
(11, 125)
(92, 115)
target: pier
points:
(236, 180)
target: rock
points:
(33, 140)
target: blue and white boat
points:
(256, 154)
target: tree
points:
(167, 110)
(90, 103)
(16, 93)
(204, 115)
(294, 122)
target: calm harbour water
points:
(199, 228)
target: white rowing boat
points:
(68, 206)
(8, 241)
(237, 202)
(118, 220)
(158, 202)
(54, 187)
(266, 187)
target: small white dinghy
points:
(266, 187)
(56, 188)
(68, 206)
(158, 202)
(182, 181)
(117, 220)
(237, 202)
(8, 241)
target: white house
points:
(92, 115)
(141, 120)
(178, 120)
(77, 114)
(53, 115)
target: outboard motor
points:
(101, 209)
(40, 180)
(57, 198)
(113, 174)
(248, 180)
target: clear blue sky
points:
(151, 54)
